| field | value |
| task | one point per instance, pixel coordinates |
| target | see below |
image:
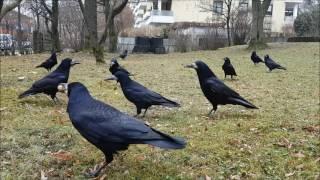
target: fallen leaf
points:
(103, 177)
(3, 108)
(284, 142)
(207, 177)
(312, 128)
(62, 155)
(298, 155)
(290, 174)
(21, 78)
(299, 166)
(43, 175)
(235, 177)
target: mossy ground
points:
(279, 140)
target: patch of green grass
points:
(279, 140)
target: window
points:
(289, 9)
(269, 11)
(218, 7)
(243, 5)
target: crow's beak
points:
(74, 62)
(193, 65)
(111, 64)
(112, 77)
(63, 87)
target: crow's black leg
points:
(138, 112)
(231, 77)
(145, 111)
(98, 168)
(214, 108)
(225, 76)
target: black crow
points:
(115, 66)
(228, 68)
(109, 129)
(255, 58)
(271, 64)
(48, 84)
(124, 54)
(139, 95)
(49, 63)
(215, 90)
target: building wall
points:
(188, 11)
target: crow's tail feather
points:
(243, 102)
(169, 103)
(280, 67)
(166, 141)
(28, 92)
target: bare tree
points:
(240, 25)
(51, 14)
(259, 10)
(216, 7)
(111, 9)
(4, 9)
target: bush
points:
(304, 39)
(182, 42)
(307, 23)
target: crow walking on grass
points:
(139, 95)
(109, 129)
(48, 85)
(228, 68)
(115, 67)
(255, 58)
(272, 64)
(124, 54)
(49, 63)
(215, 90)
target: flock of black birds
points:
(111, 130)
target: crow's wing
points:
(273, 63)
(105, 123)
(141, 93)
(50, 80)
(218, 87)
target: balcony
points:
(160, 17)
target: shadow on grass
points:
(43, 102)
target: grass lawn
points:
(279, 140)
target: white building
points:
(281, 13)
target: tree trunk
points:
(98, 53)
(54, 25)
(19, 33)
(90, 14)
(228, 31)
(113, 36)
(258, 13)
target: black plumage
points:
(139, 95)
(49, 63)
(124, 54)
(228, 68)
(272, 64)
(48, 84)
(215, 90)
(115, 67)
(109, 129)
(255, 58)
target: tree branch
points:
(46, 7)
(5, 9)
(119, 8)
